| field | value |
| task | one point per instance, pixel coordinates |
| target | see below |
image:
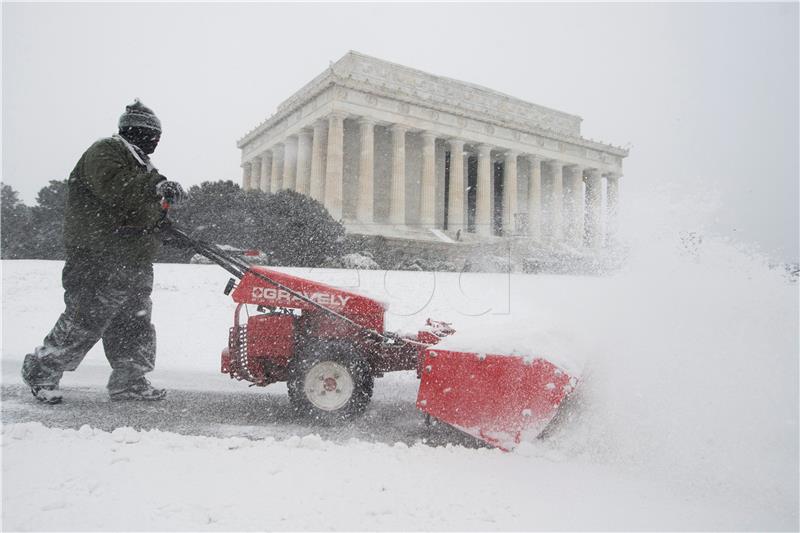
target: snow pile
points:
(691, 376)
(691, 368)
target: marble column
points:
(365, 209)
(317, 186)
(535, 198)
(612, 209)
(557, 201)
(457, 194)
(334, 165)
(397, 207)
(483, 207)
(594, 201)
(303, 161)
(277, 168)
(577, 213)
(289, 163)
(509, 192)
(245, 176)
(255, 173)
(427, 212)
(266, 171)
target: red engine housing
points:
(261, 346)
(358, 308)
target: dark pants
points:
(107, 300)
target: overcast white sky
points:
(706, 94)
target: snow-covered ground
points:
(686, 417)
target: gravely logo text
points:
(279, 296)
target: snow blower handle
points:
(238, 267)
(234, 265)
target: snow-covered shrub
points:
(359, 261)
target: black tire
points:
(339, 380)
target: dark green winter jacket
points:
(112, 204)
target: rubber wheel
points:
(330, 382)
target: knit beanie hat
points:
(139, 115)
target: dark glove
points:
(171, 192)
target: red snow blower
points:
(329, 345)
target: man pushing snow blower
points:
(111, 242)
(328, 344)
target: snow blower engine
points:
(329, 345)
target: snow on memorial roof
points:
(383, 78)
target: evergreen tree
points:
(292, 228)
(48, 220)
(15, 226)
(296, 229)
(214, 212)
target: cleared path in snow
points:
(215, 406)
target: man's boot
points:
(140, 390)
(48, 394)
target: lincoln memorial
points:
(390, 150)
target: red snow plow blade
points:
(499, 399)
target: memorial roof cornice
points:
(359, 72)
